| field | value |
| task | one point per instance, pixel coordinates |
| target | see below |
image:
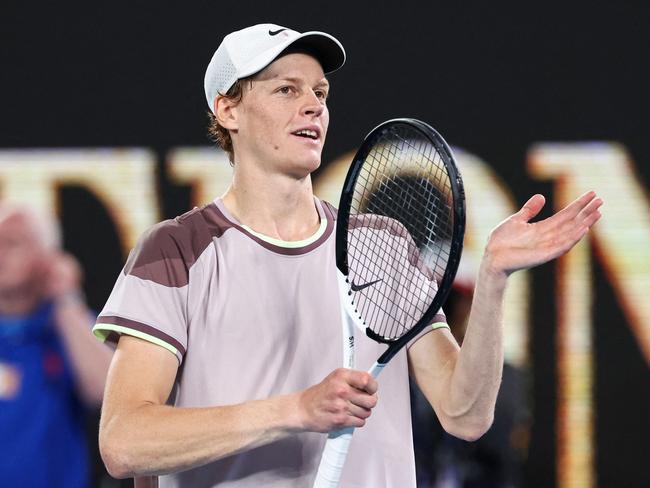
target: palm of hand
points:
(518, 244)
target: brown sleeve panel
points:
(165, 253)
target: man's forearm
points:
(462, 385)
(159, 439)
(476, 376)
(139, 435)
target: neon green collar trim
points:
(291, 244)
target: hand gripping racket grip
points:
(336, 450)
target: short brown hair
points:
(216, 131)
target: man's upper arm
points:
(141, 373)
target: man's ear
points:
(226, 113)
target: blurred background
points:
(103, 123)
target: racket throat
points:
(376, 337)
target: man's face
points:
(22, 255)
(282, 118)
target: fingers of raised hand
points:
(590, 214)
(569, 232)
(517, 244)
(581, 206)
(572, 222)
(576, 218)
(532, 207)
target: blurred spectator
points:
(51, 367)
(496, 459)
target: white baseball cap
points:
(245, 52)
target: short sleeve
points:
(439, 321)
(149, 299)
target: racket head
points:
(400, 227)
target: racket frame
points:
(458, 229)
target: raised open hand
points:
(518, 244)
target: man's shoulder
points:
(205, 221)
(170, 248)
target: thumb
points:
(531, 208)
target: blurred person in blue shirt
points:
(51, 367)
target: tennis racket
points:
(399, 238)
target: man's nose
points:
(312, 105)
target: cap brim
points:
(325, 48)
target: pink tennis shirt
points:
(248, 318)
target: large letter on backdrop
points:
(122, 179)
(621, 239)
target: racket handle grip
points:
(376, 369)
(336, 450)
(333, 459)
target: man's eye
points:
(321, 94)
(285, 90)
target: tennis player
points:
(227, 320)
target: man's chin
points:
(306, 166)
(311, 166)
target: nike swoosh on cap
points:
(275, 33)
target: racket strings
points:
(404, 222)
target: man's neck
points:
(275, 205)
